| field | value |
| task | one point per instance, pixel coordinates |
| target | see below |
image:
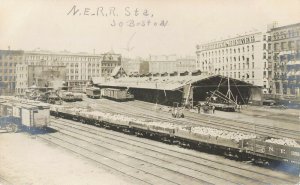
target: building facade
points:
(244, 58)
(109, 61)
(80, 67)
(131, 66)
(186, 64)
(284, 47)
(8, 61)
(171, 63)
(39, 75)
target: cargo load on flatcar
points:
(282, 149)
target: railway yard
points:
(121, 156)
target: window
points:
(269, 38)
(252, 57)
(265, 56)
(291, 44)
(265, 46)
(252, 74)
(252, 47)
(284, 46)
(276, 46)
(264, 37)
(252, 65)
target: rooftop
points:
(162, 83)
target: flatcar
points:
(265, 150)
(15, 114)
(117, 94)
(241, 146)
(93, 92)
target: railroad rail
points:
(194, 167)
(203, 120)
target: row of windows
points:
(229, 67)
(22, 83)
(227, 51)
(7, 78)
(10, 57)
(7, 64)
(7, 71)
(287, 45)
(238, 75)
(72, 58)
(230, 43)
(230, 59)
(89, 71)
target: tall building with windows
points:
(243, 57)
(8, 61)
(80, 67)
(284, 51)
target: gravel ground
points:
(25, 159)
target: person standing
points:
(199, 108)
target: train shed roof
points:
(167, 83)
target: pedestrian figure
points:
(213, 109)
(199, 108)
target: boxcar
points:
(14, 115)
(117, 94)
(93, 92)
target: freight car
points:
(15, 114)
(269, 149)
(93, 92)
(234, 144)
(116, 94)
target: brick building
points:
(284, 51)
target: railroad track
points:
(176, 162)
(243, 126)
(204, 120)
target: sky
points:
(169, 26)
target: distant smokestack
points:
(8, 47)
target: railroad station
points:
(205, 97)
(185, 88)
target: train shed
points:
(187, 88)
